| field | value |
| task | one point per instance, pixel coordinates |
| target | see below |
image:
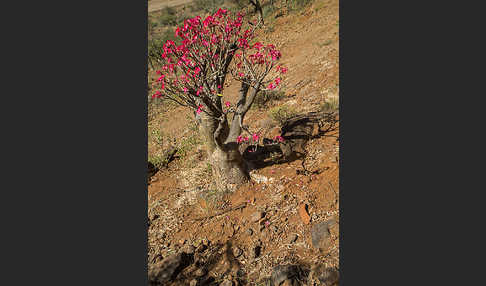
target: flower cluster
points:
(240, 139)
(194, 65)
(204, 47)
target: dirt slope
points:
(184, 210)
(154, 5)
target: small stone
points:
(256, 216)
(182, 241)
(292, 238)
(189, 249)
(237, 251)
(249, 231)
(200, 272)
(273, 228)
(304, 214)
(193, 282)
(226, 282)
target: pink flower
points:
(227, 103)
(219, 86)
(199, 109)
(271, 86)
(157, 94)
(185, 89)
(246, 139)
(239, 139)
(241, 74)
(257, 45)
(277, 80)
(279, 138)
(161, 78)
(283, 70)
(255, 137)
(243, 43)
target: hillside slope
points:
(287, 214)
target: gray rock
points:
(249, 231)
(321, 235)
(273, 228)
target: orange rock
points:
(304, 215)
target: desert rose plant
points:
(193, 74)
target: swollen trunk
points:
(229, 168)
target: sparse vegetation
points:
(266, 96)
(157, 136)
(330, 105)
(208, 6)
(187, 144)
(157, 160)
(300, 4)
(281, 113)
(168, 17)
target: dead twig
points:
(222, 212)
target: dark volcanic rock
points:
(288, 275)
(326, 276)
(168, 269)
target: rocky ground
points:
(282, 228)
